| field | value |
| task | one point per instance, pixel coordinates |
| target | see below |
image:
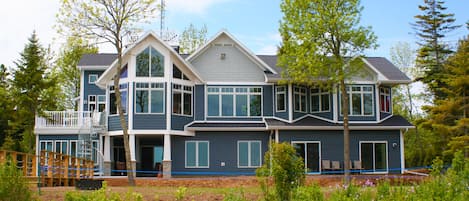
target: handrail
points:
(70, 119)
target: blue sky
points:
(254, 22)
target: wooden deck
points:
(50, 168)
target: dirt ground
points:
(212, 188)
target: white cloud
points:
(19, 19)
(192, 6)
(267, 50)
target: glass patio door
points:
(310, 152)
(374, 156)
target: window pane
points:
(141, 101)
(303, 103)
(157, 99)
(368, 104)
(380, 157)
(124, 101)
(112, 103)
(73, 148)
(124, 72)
(255, 154)
(297, 102)
(255, 105)
(177, 108)
(241, 105)
(176, 72)
(325, 102)
(227, 105)
(187, 103)
(203, 154)
(64, 147)
(157, 64)
(356, 104)
(190, 154)
(143, 63)
(315, 103)
(280, 101)
(243, 154)
(213, 105)
(312, 157)
(367, 156)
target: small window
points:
(280, 97)
(113, 99)
(299, 93)
(91, 103)
(249, 154)
(197, 154)
(385, 99)
(182, 100)
(92, 78)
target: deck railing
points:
(70, 119)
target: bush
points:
(312, 193)
(12, 184)
(101, 195)
(286, 168)
(235, 195)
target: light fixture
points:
(222, 56)
(394, 145)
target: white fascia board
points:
(97, 67)
(60, 131)
(243, 49)
(227, 129)
(238, 83)
(338, 127)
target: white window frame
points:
(387, 156)
(320, 93)
(95, 79)
(306, 160)
(234, 93)
(250, 154)
(45, 142)
(158, 87)
(385, 92)
(149, 62)
(124, 88)
(183, 89)
(90, 102)
(302, 95)
(282, 93)
(361, 92)
(60, 142)
(98, 102)
(70, 148)
(197, 153)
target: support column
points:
(276, 136)
(167, 156)
(107, 155)
(132, 151)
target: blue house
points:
(215, 112)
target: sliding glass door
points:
(310, 152)
(374, 156)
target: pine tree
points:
(5, 102)
(191, 38)
(33, 91)
(431, 27)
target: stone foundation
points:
(167, 169)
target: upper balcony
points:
(70, 122)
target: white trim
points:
(306, 151)
(249, 153)
(92, 67)
(284, 93)
(401, 144)
(374, 163)
(217, 83)
(290, 102)
(337, 127)
(197, 153)
(234, 94)
(319, 94)
(335, 105)
(300, 95)
(82, 91)
(277, 135)
(182, 91)
(92, 75)
(227, 129)
(380, 75)
(362, 102)
(148, 89)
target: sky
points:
(253, 22)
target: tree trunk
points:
(345, 109)
(128, 162)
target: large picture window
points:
(150, 63)
(197, 154)
(249, 154)
(385, 99)
(320, 100)
(280, 98)
(149, 98)
(299, 93)
(182, 99)
(113, 99)
(360, 100)
(234, 101)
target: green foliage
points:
(351, 193)
(311, 193)
(192, 38)
(234, 195)
(286, 168)
(180, 193)
(437, 166)
(6, 105)
(431, 27)
(102, 194)
(13, 186)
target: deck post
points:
(167, 156)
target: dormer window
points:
(150, 63)
(385, 99)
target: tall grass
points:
(12, 184)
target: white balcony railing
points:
(70, 119)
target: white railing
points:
(70, 119)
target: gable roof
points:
(243, 48)
(108, 74)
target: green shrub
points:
(311, 193)
(351, 193)
(286, 168)
(101, 195)
(181, 193)
(12, 184)
(234, 195)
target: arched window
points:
(150, 63)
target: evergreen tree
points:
(5, 102)
(33, 90)
(431, 27)
(192, 38)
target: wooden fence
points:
(50, 168)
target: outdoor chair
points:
(335, 165)
(326, 165)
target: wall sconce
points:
(222, 56)
(394, 145)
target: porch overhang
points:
(221, 126)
